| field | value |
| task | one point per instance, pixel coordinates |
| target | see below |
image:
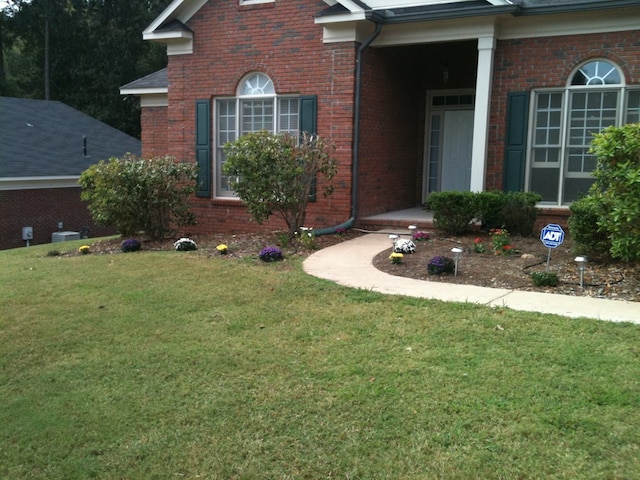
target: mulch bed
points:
(619, 281)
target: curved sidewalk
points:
(350, 264)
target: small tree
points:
(617, 188)
(134, 195)
(277, 173)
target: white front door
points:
(449, 142)
(457, 144)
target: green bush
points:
(588, 238)
(277, 173)
(489, 205)
(134, 195)
(453, 212)
(519, 212)
(544, 279)
(617, 186)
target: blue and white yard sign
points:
(552, 235)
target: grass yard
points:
(163, 365)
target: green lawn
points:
(181, 365)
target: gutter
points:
(410, 15)
(355, 165)
(578, 7)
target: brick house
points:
(44, 147)
(419, 96)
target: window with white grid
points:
(256, 107)
(563, 123)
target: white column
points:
(486, 46)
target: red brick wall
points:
(280, 40)
(522, 65)
(42, 209)
(154, 131)
(391, 130)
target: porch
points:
(417, 216)
(423, 219)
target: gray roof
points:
(478, 8)
(157, 79)
(40, 138)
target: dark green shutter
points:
(308, 114)
(308, 123)
(516, 141)
(203, 148)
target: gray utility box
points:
(64, 236)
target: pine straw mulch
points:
(603, 280)
(619, 280)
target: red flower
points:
(477, 240)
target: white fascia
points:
(144, 91)
(35, 183)
(385, 4)
(178, 42)
(344, 27)
(348, 4)
(149, 97)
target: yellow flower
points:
(222, 248)
(396, 257)
(84, 249)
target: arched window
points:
(564, 122)
(257, 84)
(598, 72)
(255, 107)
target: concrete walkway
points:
(350, 264)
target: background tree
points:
(80, 52)
(276, 174)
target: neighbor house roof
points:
(154, 81)
(42, 142)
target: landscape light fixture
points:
(457, 251)
(582, 264)
(393, 237)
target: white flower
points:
(402, 245)
(185, 244)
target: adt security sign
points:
(552, 235)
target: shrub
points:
(134, 195)
(489, 209)
(519, 212)
(440, 264)
(270, 254)
(588, 238)
(453, 211)
(544, 279)
(130, 245)
(617, 186)
(276, 173)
